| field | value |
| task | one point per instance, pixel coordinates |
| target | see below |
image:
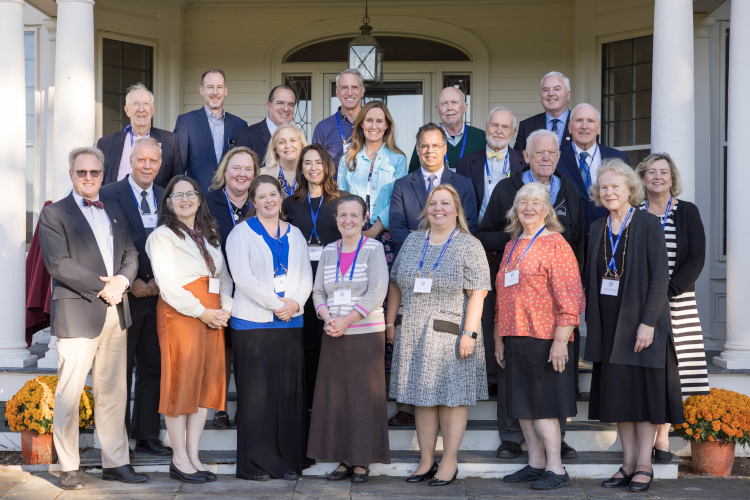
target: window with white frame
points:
(29, 46)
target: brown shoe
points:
(492, 388)
(402, 418)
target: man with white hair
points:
(542, 154)
(335, 132)
(117, 146)
(555, 93)
(463, 139)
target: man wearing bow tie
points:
(88, 252)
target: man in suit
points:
(88, 252)
(581, 159)
(117, 146)
(138, 196)
(280, 107)
(555, 92)
(463, 139)
(205, 134)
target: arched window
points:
(396, 48)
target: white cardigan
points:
(252, 265)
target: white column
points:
(75, 97)
(673, 94)
(736, 353)
(13, 353)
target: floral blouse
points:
(548, 294)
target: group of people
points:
(332, 275)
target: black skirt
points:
(533, 389)
(272, 412)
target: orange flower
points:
(711, 438)
(689, 432)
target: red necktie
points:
(89, 203)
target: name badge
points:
(149, 220)
(314, 251)
(279, 283)
(346, 147)
(610, 286)
(423, 285)
(214, 285)
(511, 277)
(342, 297)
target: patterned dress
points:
(427, 369)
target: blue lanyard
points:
(154, 195)
(505, 167)
(278, 241)
(463, 146)
(129, 128)
(314, 216)
(286, 184)
(229, 206)
(578, 157)
(611, 265)
(507, 262)
(341, 130)
(666, 214)
(424, 252)
(339, 246)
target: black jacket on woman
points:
(644, 287)
(691, 249)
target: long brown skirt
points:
(193, 372)
(349, 413)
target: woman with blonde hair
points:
(435, 299)
(282, 157)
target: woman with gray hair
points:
(635, 382)
(539, 303)
(686, 247)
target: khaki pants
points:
(108, 353)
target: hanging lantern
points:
(366, 54)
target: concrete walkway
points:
(33, 486)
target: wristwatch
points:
(469, 334)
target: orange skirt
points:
(193, 368)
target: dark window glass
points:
(123, 64)
(395, 48)
(303, 111)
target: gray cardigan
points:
(644, 300)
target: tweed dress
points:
(427, 369)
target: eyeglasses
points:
(191, 195)
(540, 154)
(426, 147)
(94, 173)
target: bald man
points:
(462, 138)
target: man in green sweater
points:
(462, 139)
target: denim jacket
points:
(389, 167)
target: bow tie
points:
(498, 155)
(89, 203)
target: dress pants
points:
(108, 353)
(145, 355)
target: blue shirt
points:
(217, 131)
(283, 257)
(554, 185)
(327, 133)
(560, 129)
(389, 167)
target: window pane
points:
(619, 80)
(30, 70)
(112, 52)
(637, 156)
(302, 86)
(620, 53)
(642, 104)
(124, 64)
(643, 131)
(111, 80)
(643, 76)
(644, 49)
(136, 56)
(619, 107)
(618, 134)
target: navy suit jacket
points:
(568, 166)
(533, 123)
(197, 144)
(122, 194)
(171, 158)
(409, 197)
(256, 137)
(473, 167)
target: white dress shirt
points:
(101, 226)
(125, 167)
(271, 125)
(426, 175)
(594, 159)
(496, 175)
(137, 190)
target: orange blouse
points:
(549, 292)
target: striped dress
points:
(688, 336)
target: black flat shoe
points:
(525, 475)
(418, 478)
(210, 476)
(361, 478)
(663, 457)
(616, 482)
(508, 449)
(439, 482)
(567, 452)
(340, 475)
(152, 447)
(260, 476)
(290, 476)
(641, 487)
(221, 420)
(124, 474)
(551, 481)
(178, 475)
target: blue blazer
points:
(568, 166)
(197, 144)
(410, 197)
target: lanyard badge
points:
(513, 276)
(341, 132)
(314, 250)
(343, 297)
(611, 280)
(424, 284)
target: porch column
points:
(736, 353)
(673, 93)
(13, 353)
(75, 96)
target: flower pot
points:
(37, 448)
(712, 458)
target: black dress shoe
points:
(210, 476)
(418, 478)
(567, 452)
(221, 420)
(663, 457)
(152, 447)
(260, 476)
(178, 475)
(616, 482)
(641, 487)
(508, 449)
(340, 475)
(361, 478)
(439, 482)
(71, 480)
(124, 474)
(290, 476)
